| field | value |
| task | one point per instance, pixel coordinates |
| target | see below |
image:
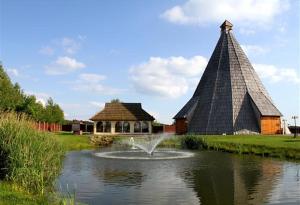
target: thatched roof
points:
(117, 111)
(230, 96)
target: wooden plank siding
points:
(181, 126)
(270, 125)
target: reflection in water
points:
(229, 179)
(207, 178)
(121, 178)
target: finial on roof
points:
(226, 26)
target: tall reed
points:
(29, 158)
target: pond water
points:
(209, 177)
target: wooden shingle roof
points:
(117, 111)
(229, 92)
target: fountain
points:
(148, 145)
(145, 148)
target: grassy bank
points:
(72, 142)
(12, 194)
(274, 146)
(29, 158)
(30, 162)
(171, 142)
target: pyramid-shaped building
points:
(230, 98)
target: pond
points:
(209, 177)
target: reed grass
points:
(171, 142)
(30, 159)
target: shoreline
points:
(278, 146)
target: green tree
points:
(12, 98)
(32, 107)
(10, 94)
(53, 113)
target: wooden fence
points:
(50, 127)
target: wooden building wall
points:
(181, 126)
(270, 125)
(169, 129)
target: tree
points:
(53, 113)
(10, 94)
(116, 100)
(12, 98)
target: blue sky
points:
(85, 53)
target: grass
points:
(31, 161)
(274, 146)
(11, 194)
(29, 158)
(171, 142)
(72, 142)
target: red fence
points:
(169, 129)
(45, 126)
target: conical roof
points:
(230, 96)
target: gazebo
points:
(122, 118)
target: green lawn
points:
(265, 145)
(277, 141)
(10, 194)
(73, 142)
(276, 146)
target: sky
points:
(83, 53)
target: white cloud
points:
(70, 46)
(13, 72)
(90, 82)
(166, 77)
(275, 74)
(63, 45)
(82, 111)
(247, 31)
(63, 65)
(97, 104)
(91, 77)
(254, 49)
(200, 12)
(47, 50)
(40, 96)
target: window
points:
(123, 127)
(137, 127)
(126, 127)
(145, 126)
(107, 126)
(99, 127)
(118, 127)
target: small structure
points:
(76, 127)
(230, 98)
(122, 118)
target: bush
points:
(191, 142)
(30, 159)
(102, 140)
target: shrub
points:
(30, 158)
(102, 140)
(191, 142)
